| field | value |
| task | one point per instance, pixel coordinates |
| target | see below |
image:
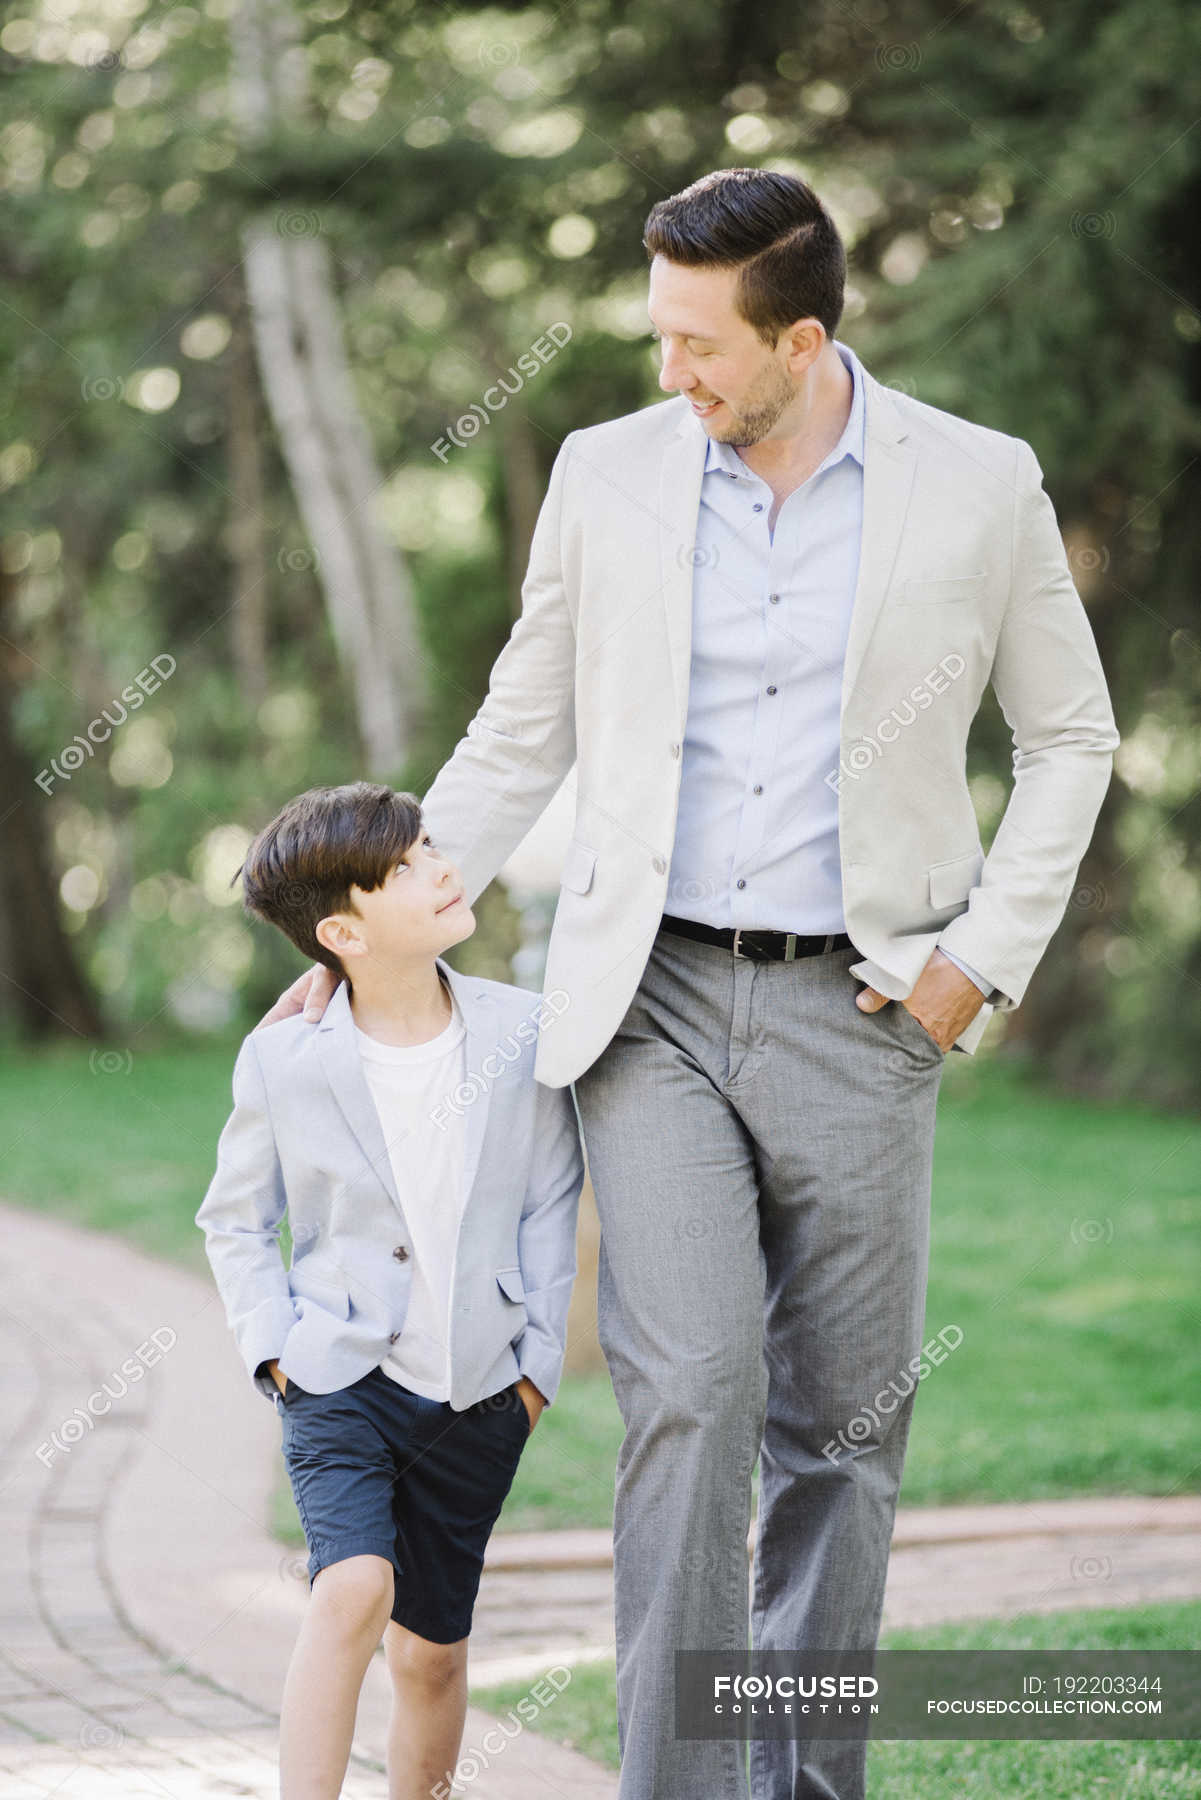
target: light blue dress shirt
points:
(757, 831)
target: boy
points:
(431, 1190)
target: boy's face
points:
(418, 912)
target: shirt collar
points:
(725, 456)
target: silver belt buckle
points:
(734, 946)
(790, 947)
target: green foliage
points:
(1018, 195)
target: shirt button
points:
(741, 883)
(757, 789)
(392, 1336)
(400, 1253)
(658, 865)
(758, 506)
(774, 598)
(771, 690)
(675, 749)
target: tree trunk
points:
(310, 394)
(42, 983)
(246, 536)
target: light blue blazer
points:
(305, 1137)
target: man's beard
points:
(762, 409)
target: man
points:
(759, 618)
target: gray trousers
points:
(760, 1152)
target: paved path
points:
(147, 1614)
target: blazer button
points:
(400, 1253)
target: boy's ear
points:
(334, 934)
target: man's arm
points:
(546, 1237)
(1048, 679)
(521, 742)
(503, 774)
(240, 1216)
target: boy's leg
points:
(347, 1612)
(429, 1707)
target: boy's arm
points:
(546, 1238)
(240, 1217)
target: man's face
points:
(418, 911)
(739, 387)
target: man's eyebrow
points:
(697, 337)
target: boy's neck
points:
(401, 1007)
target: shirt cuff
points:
(987, 987)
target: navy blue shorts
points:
(378, 1469)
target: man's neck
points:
(806, 434)
(401, 1007)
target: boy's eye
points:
(404, 863)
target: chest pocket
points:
(940, 590)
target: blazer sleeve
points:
(546, 1237)
(521, 743)
(1048, 680)
(240, 1216)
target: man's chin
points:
(734, 433)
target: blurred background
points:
(297, 302)
(260, 263)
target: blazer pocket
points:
(510, 1283)
(954, 880)
(936, 590)
(331, 1296)
(578, 865)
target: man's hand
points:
(277, 1378)
(944, 1000)
(310, 993)
(532, 1399)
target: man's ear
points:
(806, 339)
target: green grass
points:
(1065, 1247)
(584, 1716)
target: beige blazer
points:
(963, 580)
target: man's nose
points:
(674, 375)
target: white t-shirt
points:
(410, 1083)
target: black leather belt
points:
(758, 946)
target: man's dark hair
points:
(302, 866)
(773, 228)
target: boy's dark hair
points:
(302, 866)
(773, 228)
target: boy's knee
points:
(359, 1590)
(412, 1658)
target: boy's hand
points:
(310, 993)
(532, 1399)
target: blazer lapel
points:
(479, 1016)
(888, 464)
(344, 1072)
